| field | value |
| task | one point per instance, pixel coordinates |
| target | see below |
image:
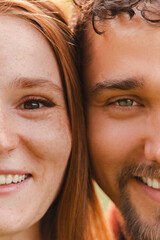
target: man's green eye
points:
(125, 102)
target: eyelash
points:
(48, 103)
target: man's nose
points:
(152, 141)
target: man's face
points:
(122, 77)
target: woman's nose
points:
(8, 140)
(8, 137)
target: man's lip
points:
(148, 175)
(150, 182)
(152, 193)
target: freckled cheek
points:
(57, 147)
(48, 144)
(54, 158)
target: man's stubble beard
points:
(134, 227)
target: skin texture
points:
(124, 136)
(36, 141)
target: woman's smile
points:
(11, 183)
(6, 179)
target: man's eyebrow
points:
(27, 83)
(125, 84)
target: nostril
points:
(152, 151)
(8, 141)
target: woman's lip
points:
(13, 171)
(13, 187)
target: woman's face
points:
(35, 139)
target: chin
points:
(139, 223)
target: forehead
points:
(18, 32)
(124, 41)
(25, 52)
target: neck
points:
(33, 233)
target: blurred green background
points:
(104, 200)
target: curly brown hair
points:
(97, 10)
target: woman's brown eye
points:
(32, 105)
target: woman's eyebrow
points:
(125, 84)
(27, 83)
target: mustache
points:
(138, 170)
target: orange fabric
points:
(114, 222)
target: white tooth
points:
(155, 184)
(144, 179)
(8, 179)
(149, 182)
(15, 178)
(23, 177)
(20, 178)
(2, 179)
